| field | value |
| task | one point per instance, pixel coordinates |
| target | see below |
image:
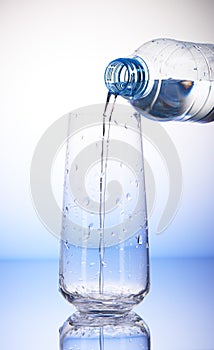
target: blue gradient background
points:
(53, 55)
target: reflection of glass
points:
(104, 264)
(88, 332)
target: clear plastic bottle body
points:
(174, 80)
(104, 268)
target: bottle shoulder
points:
(174, 59)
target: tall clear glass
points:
(83, 332)
(104, 258)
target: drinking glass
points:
(126, 332)
(104, 251)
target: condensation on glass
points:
(127, 332)
(166, 79)
(104, 257)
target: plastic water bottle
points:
(166, 79)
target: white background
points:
(53, 57)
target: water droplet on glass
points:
(67, 244)
(86, 235)
(139, 240)
(104, 263)
(61, 278)
(128, 196)
(118, 201)
(86, 201)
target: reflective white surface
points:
(179, 309)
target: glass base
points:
(95, 303)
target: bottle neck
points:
(127, 77)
